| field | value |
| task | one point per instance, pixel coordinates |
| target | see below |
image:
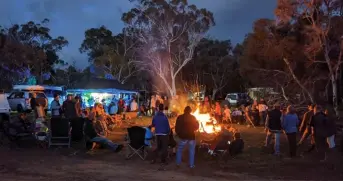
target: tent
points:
(96, 90)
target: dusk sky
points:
(70, 18)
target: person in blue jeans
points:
(290, 124)
(185, 127)
(95, 132)
(273, 127)
(162, 129)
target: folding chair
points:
(60, 132)
(77, 129)
(136, 142)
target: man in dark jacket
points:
(305, 124)
(319, 128)
(162, 129)
(273, 127)
(185, 127)
(69, 108)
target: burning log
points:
(207, 124)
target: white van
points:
(49, 91)
(4, 106)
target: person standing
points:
(121, 106)
(290, 124)
(112, 108)
(134, 106)
(262, 111)
(153, 104)
(56, 107)
(273, 127)
(185, 127)
(304, 127)
(78, 108)
(69, 108)
(34, 104)
(162, 129)
(319, 131)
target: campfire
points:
(207, 123)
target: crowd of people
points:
(316, 124)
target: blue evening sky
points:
(70, 18)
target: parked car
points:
(238, 99)
(49, 91)
(19, 100)
(4, 107)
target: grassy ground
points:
(33, 163)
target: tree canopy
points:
(30, 49)
(168, 31)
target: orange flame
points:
(207, 124)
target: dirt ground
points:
(30, 163)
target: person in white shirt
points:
(133, 106)
(55, 107)
(153, 104)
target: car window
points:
(232, 96)
(38, 95)
(17, 95)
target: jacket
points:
(319, 123)
(55, 108)
(161, 124)
(290, 123)
(273, 121)
(185, 126)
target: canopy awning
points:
(109, 91)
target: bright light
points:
(207, 124)
(100, 96)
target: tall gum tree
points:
(168, 31)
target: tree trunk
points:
(334, 94)
(173, 87)
(214, 92)
(297, 80)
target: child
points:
(227, 114)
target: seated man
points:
(21, 125)
(221, 141)
(237, 145)
(95, 132)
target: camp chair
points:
(77, 129)
(60, 132)
(136, 142)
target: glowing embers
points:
(207, 123)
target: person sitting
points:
(237, 145)
(20, 125)
(95, 132)
(237, 116)
(221, 141)
(112, 108)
